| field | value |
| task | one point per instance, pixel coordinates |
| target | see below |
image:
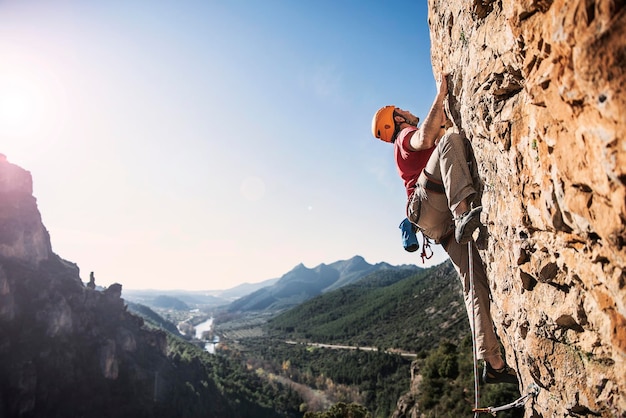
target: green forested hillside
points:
(373, 379)
(193, 377)
(447, 384)
(386, 309)
(152, 318)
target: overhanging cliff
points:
(538, 87)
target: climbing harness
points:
(533, 389)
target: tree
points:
(341, 410)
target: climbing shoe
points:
(466, 224)
(503, 375)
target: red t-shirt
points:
(410, 163)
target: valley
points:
(356, 344)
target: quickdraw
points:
(426, 249)
(533, 391)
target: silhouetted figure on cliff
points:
(92, 281)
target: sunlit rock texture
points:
(538, 87)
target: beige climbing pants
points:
(446, 180)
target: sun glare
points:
(20, 105)
(33, 108)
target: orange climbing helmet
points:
(383, 124)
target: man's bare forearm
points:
(430, 130)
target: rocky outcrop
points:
(538, 87)
(65, 350)
(22, 235)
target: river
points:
(203, 327)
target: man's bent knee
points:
(452, 139)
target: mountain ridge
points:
(303, 283)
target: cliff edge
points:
(22, 234)
(538, 87)
(66, 349)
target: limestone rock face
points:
(22, 235)
(538, 87)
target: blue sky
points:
(203, 144)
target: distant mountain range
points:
(345, 302)
(302, 284)
(294, 287)
(192, 298)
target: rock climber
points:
(433, 163)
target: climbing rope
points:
(474, 348)
(533, 389)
